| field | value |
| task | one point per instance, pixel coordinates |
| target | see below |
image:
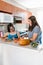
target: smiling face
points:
(29, 22)
(11, 29)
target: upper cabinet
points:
(6, 18)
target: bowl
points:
(24, 42)
(16, 40)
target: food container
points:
(24, 42)
(34, 44)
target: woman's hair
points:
(34, 23)
(10, 25)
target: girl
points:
(11, 34)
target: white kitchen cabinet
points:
(6, 18)
(13, 55)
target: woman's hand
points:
(34, 37)
(18, 34)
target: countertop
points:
(17, 45)
(13, 54)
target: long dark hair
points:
(10, 25)
(34, 23)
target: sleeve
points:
(36, 30)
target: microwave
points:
(17, 19)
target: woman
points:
(11, 34)
(34, 33)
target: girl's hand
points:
(3, 38)
(22, 37)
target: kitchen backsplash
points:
(18, 27)
(21, 27)
(3, 28)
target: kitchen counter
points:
(17, 44)
(13, 54)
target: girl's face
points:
(29, 22)
(11, 29)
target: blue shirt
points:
(35, 30)
(10, 36)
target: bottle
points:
(1, 34)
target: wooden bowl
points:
(24, 42)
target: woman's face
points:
(29, 22)
(11, 29)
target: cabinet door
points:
(1, 17)
(8, 18)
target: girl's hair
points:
(34, 23)
(10, 25)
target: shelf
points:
(3, 24)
